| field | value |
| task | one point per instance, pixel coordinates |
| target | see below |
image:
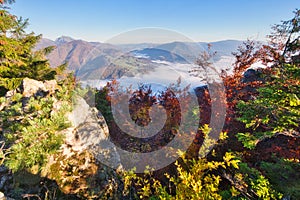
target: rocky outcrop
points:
(90, 132)
(88, 129)
(87, 146)
(30, 87)
(78, 166)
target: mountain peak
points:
(63, 40)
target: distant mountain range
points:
(94, 59)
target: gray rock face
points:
(90, 132)
(31, 87)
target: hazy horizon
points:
(163, 42)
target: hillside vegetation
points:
(256, 157)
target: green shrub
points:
(32, 132)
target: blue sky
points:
(209, 20)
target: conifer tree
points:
(18, 59)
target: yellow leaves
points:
(205, 129)
(294, 100)
(231, 160)
(228, 156)
(2, 153)
(146, 189)
(234, 192)
(223, 136)
(213, 165)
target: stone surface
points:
(50, 86)
(87, 145)
(30, 87)
(90, 132)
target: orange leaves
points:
(3, 42)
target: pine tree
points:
(18, 59)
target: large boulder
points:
(82, 164)
(90, 132)
(30, 87)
